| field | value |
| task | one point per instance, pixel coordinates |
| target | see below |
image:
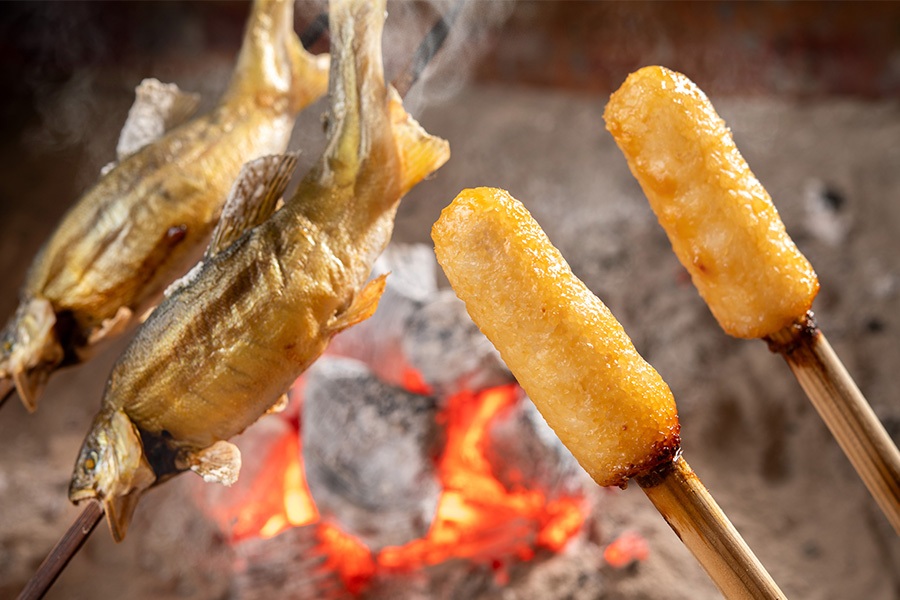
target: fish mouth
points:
(76, 495)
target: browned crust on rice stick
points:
(719, 218)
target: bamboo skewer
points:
(692, 512)
(429, 46)
(844, 410)
(727, 233)
(608, 406)
(63, 552)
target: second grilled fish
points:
(147, 220)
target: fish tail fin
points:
(309, 74)
(30, 352)
(420, 152)
(272, 64)
(358, 125)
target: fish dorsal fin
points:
(253, 198)
(362, 308)
(158, 107)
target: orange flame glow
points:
(477, 517)
(626, 549)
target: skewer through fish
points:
(148, 218)
(270, 293)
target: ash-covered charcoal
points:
(369, 450)
(524, 452)
(290, 565)
(377, 340)
(448, 350)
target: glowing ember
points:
(628, 548)
(477, 517)
(298, 507)
(348, 556)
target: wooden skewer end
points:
(63, 552)
(844, 409)
(689, 508)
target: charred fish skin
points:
(147, 220)
(221, 348)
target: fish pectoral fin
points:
(30, 384)
(119, 511)
(362, 308)
(36, 351)
(279, 406)
(135, 476)
(158, 107)
(253, 198)
(112, 326)
(219, 463)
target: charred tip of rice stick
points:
(67, 546)
(692, 512)
(844, 410)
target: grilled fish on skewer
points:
(232, 337)
(147, 220)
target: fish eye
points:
(91, 461)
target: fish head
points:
(112, 469)
(30, 350)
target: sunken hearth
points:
(409, 464)
(529, 120)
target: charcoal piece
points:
(369, 450)
(449, 351)
(377, 341)
(525, 453)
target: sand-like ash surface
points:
(748, 430)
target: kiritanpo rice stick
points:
(570, 354)
(728, 235)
